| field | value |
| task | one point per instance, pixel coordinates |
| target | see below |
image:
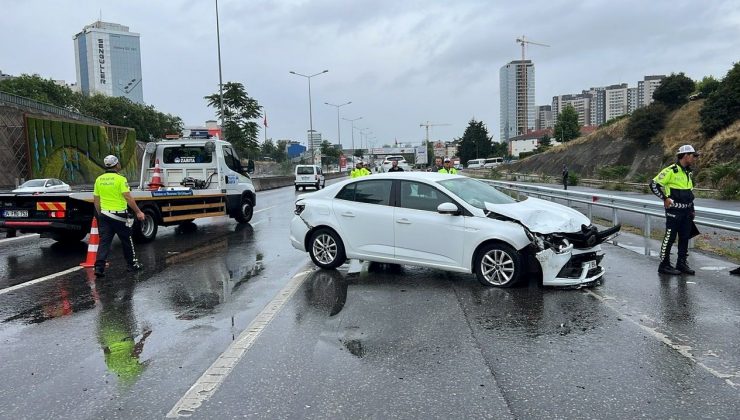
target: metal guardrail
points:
(705, 216)
(9, 98)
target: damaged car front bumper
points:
(570, 266)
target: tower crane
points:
(523, 120)
(427, 125)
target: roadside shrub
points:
(617, 172)
(641, 178)
(573, 178)
(545, 179)
(731, 191)
(674, 90)
(717, 173)
(495, 174)
(645, 123)
(613, 120)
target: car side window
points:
(421, 196)
(347, 193)
(374, 192)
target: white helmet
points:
(687, 148)
(110, 161)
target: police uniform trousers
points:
(678, 222)
(110, 226)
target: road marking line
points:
(18, 238)
(207, 385)
(266, 208)
(39, 280)
(684, 351)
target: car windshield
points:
(34, 183)
(476, 193)
(398, 158)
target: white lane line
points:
(205, 387)
(39, 280)
(684, 351)
(18, 238)
(266, 208)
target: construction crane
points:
(427, 125)
(523, 120)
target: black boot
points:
(683, 266)
(665, 267)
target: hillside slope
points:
(608, 146)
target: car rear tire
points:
(318, 185)
(498, 265)
(326, 249)
(296, 187)
(145, 231)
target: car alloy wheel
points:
(326, 249)
(498, 265)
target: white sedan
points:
(449, 222)
(42, 186)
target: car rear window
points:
(304, 170)
(186, 154)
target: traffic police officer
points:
(359, 170)
(111, 196)
(674, 186)
(448, 169)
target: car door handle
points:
(348, 214)
(403, 221)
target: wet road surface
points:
(387, 342)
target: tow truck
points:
(198, 178)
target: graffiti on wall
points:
(74, 152)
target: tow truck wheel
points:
(145, 231)
(498, 265)
(245, 211)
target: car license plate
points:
(15, 213)
(590, 265)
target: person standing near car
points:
(448, 169)
(674, 186)
(565, 177)
(437, 165)
(112, 197)
(359, 170)
(394, 167)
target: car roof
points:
(418, 175)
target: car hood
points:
(542, 216)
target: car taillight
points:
(57, 214)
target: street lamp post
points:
(310, 109)
(339, 137)
(220, 78)
(353, 133)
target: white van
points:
(493, 162)
(476, 163)
(309, 176)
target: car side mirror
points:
(448, 208)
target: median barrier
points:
(270, 182)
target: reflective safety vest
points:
(110, 188)
(452, 171)
(358, 172)
(677, 183)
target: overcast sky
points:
(401, 63)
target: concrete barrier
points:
(270, 182)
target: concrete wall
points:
(268, 183)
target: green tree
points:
(645, 123)
(149, 123)
(674, 90)
(545, 143)
(706, 86)
(359, 153)
(267, 150)
(566, 125)
(475, 142)
(329, 153)
(42, 90)
(281, 151)
(240, 116)
(722, 108)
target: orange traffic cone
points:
(92, 245)
(156, 181)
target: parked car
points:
(309, 176)
(390, 218)
(388, 162)
(43, 185)
(493, 162)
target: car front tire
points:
(326, 249)
(498, 265)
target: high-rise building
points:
(580, 102)
(544, 118)
(314, 140)
(517, 113)
(616, 103)
(108, 61)
(633, 99)
(646, 88)
(598, 105)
